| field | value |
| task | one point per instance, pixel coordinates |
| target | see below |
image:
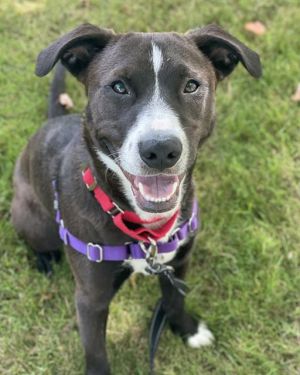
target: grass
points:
(245, 269)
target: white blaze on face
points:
(159, 120)
(157, 60)
(157, 114)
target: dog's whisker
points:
(106, 174)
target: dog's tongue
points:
(156, 188)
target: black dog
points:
(150, 107)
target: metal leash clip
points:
(153, 268)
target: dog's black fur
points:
(64, 144)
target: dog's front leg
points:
(92, 312)
(182, 323)
(96, 285)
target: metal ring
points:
(143, 247)
(118, 207)
(174, 233)
(92, 186)
(152, 241)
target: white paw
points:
(203, 337)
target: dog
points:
(120, 178)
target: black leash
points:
(158, 322)
(159, 317)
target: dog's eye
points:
(191, 86)
(119, 88)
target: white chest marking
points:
(139, 265)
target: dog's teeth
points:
(157, 200)
(141, 188)
(174, 188)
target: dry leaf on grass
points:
(296, 96)
(85, 3)
(65, 100)
(256, 27)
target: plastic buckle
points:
(174, 234)
(65, 239)
(88, 252)
(55, 204)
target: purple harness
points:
(136, 250)
(131, 250)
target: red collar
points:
(122, 218)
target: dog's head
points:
(150, 101)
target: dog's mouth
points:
(158, 193)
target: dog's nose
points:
(160, 154)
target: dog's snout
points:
(160, 154)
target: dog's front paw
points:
(202, 337)
(44, 261)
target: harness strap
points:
(131, 250)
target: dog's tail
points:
(55, 108)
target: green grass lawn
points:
(245, 269)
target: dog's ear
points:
(225, 51)
(76, 49)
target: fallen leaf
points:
(85, 3)
(65, 100)
(296, 96)
(133, 280)
(256, 27)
